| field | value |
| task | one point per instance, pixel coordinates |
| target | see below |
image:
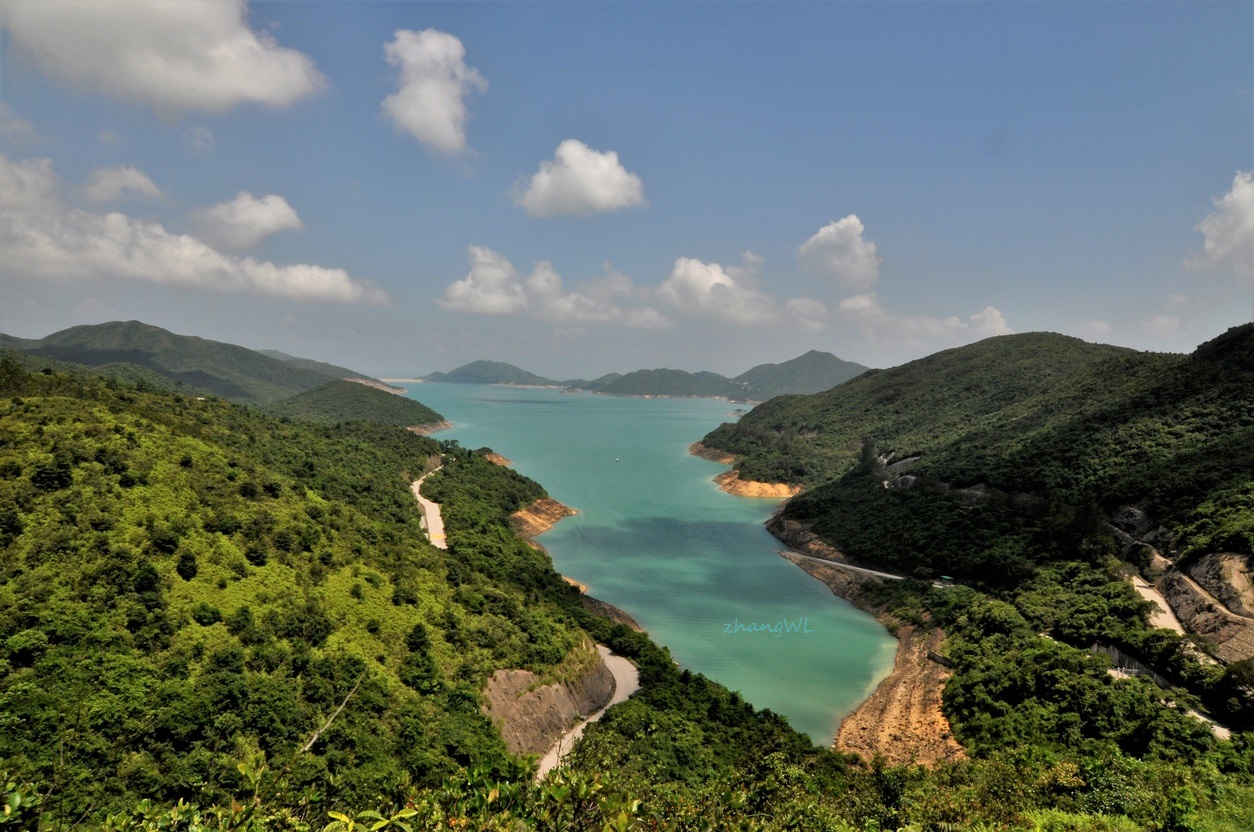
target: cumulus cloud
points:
(919, 331)
(185, 55)
(110, 184)
(1228, 232)
(839, 251)
(245, 221)
(726, 294)
(42, 238)
(432, 84)
(579, 181)
(493, 286)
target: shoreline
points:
(430, 428)
(538, 518)
(731, 483)
(902, 719)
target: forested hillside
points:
(348, 401)
(199, 602)
(225, 370)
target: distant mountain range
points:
(813, 372)
(137, 351)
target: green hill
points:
(988, 393)
(348, 401)
(328, 370)
(666, 382)
(225, 370)
(813, 372)
(491, 372)
(237, 619)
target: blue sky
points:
(585, 188)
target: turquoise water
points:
(657, 538)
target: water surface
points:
(657, 538)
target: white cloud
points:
(879, 324)
(174, 56)
(840, 252)
(709, 290)
(579, 181)
(109, 184)
(199, 139)
(1228, 231)
(246, 220)
(494, 287)
(432, 85)
(41, 238)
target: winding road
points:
(431, 513)
(626, 682)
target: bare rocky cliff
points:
(531, 716)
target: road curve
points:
(626, 682)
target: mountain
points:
(225, 370)
(491, 372)
(996, 389)
(328, 370)
(807, 373)
(348, 401)
(1019, 450)
(813, 372)
(211, 617)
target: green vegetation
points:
(210, 367)
(332, 371)
(203, 603)
(670, 383)
(348, 401)
(491, 372)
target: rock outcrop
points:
(531, 716)
(540, 516)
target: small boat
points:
(618, 459)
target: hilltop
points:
(492, 372)
(347, 401)
(227, 370)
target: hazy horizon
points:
(407, 187)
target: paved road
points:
(793, 554)
(431, 511)
(626, 682)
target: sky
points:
(404, 187)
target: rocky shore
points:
(731, 482)
(903, 720)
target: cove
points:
(655, 537)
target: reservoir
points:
(654, 536)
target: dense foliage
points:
(199, 602)
(348, 401)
